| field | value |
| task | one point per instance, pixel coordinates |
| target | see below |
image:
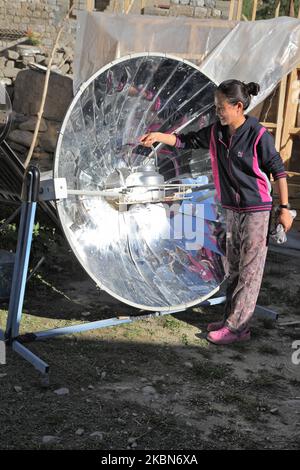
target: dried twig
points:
(45, 90)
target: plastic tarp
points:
(260, 51)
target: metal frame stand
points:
(30, 196)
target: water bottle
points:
(277, 234)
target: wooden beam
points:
(295, 130)
(90, 5)
(254, 10)
(280, 111)
(231, 9)
(290, 116)
(239, 10)
(269, 125)
(129, 6)
(292, 9)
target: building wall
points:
(40, 16)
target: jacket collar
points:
(223, 131)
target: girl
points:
(242, 156)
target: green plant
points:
(32, 37)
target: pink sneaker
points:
(217, 325)
(225, 336)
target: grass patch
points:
(267, 349)
(170, 323)
(265, 380)
(210, 371)
(237, 357)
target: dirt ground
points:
(154, 384)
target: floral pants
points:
(246, 251)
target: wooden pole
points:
(254, 10)
(231, 9)
(90, 5)
(277, 8)
(280, 111)
(45, 90)
(240, 10)
(291, 107)
(129, 6)
(292, 9)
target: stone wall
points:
(13, 60)
(26, 103)
(190, 8)
(40, 16)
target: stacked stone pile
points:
(20, 57)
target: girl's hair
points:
(236, 91)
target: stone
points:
(14, 55)
(18, 118)
(210, 3)
(17, 388)
(39, 58)
(185, 2)
(131, 440)
(27, 99)
(49, 138)
(156, 11)
(65, 68)
(10, 64)
(22, 137)
(59, 56)
(28, 60)
(181, 10)
(69, 53)
(189, 365)
(197, 3)
(11, 72)
(2, 62)
(40, 155)
(148, 390)
(98, 435)
(86, 314)
(25, 50)
(216, 13)
(6, 81)
(55, 61)
(49, 439)
(18, 148)
(79, 432)
(201, 12)
(62, 391)
(30, 124)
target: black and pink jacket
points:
(241, 164)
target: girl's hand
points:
(285, 219)
(149, 139)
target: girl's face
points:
(227, 113)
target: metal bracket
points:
(53, 189)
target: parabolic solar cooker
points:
(143, 222)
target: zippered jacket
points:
(241, 164)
